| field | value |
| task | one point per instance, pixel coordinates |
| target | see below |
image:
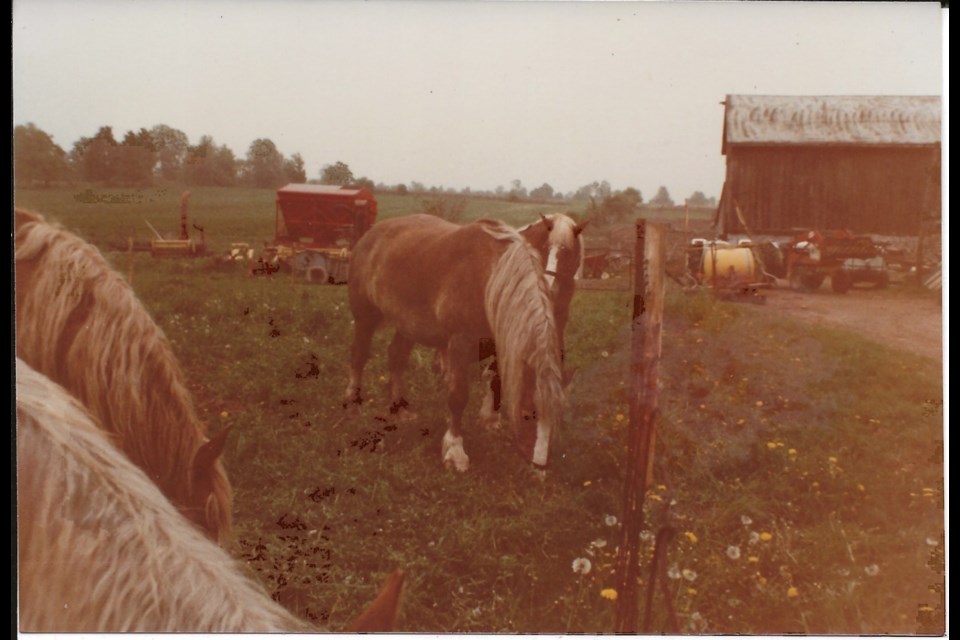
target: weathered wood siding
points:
(865, 189)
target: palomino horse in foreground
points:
(448, 287)
(79, 323)
(557, 239)
(102, 550)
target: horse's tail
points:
(521, 315)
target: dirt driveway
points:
(912, 322)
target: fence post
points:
(644, 401)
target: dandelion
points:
(753, 559)
(609, 594)
(610, 521)
(793, 592)
(792, 452)
(689, 574)
(587, 483)
(771, 445)
(224, 414)
(766, 537)
(832, 459)
(673, 572)
(581, 566)
(691, 591)
(620, 417)
(733, 552)
(691, 536)
(746, 520)
(759, 403)
(871, 570)
(604, 354)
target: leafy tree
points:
(662, 199)
(264, 166)
(293, 169)
(171, 146)
(698, 200)
(338, 173)
(543, 192)
(517, 190)
(37, 159)
(94, 157)
(134, 159)
(402, 189)
(363, 183)
(210, 165)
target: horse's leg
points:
(363, 330)
(490, 408)
(459, 356)
(398, 355)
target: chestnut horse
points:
(556, 238)
(102, 550)
(449, 286)
(79, 323)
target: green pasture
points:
(801, 468)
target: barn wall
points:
(876, 190)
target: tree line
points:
(163, 154)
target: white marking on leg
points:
(489, 417)
(542, 446)
(453, 453)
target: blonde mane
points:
(101, 549)
(520, 314)
(79, 323)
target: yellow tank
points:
(738, 262)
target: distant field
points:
(801, 465)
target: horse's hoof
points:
(453, 454)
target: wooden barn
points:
(867, 164)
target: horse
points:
(79, 323)
(102, 550)
(557, 239)
(448, 286)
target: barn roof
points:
(816, 120)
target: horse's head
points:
(561, 248)
(209, 500)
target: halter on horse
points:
(448, 287)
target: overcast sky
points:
(460, 94)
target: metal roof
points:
(857, 120)
(321, 188)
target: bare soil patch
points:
(911, 322)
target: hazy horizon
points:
(460, 94)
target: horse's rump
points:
(79, 323)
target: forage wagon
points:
(317, 227)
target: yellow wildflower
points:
(587, 483)
(792, 592)
(771, 445)
(224, 414)
(691, 591)
(766, 537)
(691, 536)
(609, 594)
(753, 559)
(620, 417)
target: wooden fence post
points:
(644, 403)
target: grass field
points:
(802, 467)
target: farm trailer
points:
(317, 227)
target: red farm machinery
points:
(317, 227)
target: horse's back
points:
(424, 275)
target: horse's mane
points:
(101, 549)
(521, 316)
(80, 323)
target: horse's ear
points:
(578, 228)
(547, 222)
(382, 613)
(208, 453)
